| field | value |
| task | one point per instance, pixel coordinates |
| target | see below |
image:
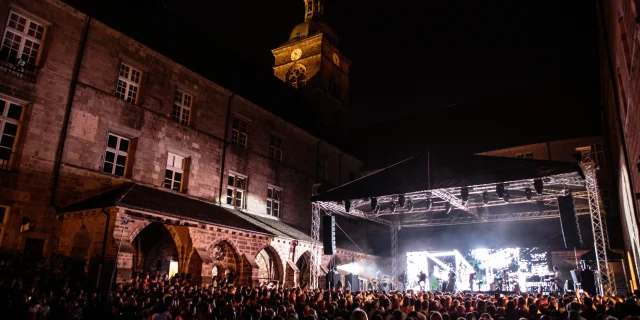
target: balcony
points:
(19, 68)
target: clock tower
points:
(311, 62)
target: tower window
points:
(297, 76)
(334, 87)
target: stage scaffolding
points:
(472, 204)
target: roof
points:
(144, 198)
(436, 171)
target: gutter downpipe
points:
(67, 113)
(224, 146)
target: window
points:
(334, 87)
(22, 41)
(174, 173)
(239, 132)
(597, 153)
(128, 83)
(115, 157)
(275, 148)
(274, 201)
(526, 155)
(10, 117)
(297, 76)
(236, 189)
(182, 107)
(4, 218)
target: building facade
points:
(107, 146)
(620, 94)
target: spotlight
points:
(429, 203)
(374, 203)
(500, 190)
(464, 194)
(409, 205)
(376, 209)
(447, 207)
(537, 184)
(506, 196)
(485, 197)
(527, 193)
(566, 192)
(401, 200)
(347, 206)
(392, 207)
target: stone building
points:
(620, 97)
(113, 154)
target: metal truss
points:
(453, 200)
(427, 221)
(600, 240)
(315, 247)
(394, 256)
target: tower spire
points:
(313, 8)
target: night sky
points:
(463, 75)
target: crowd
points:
(45, 290)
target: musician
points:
(451, 282)
(472, 276)
(557, 280)
(422, 280)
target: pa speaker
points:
(329, 234)
(352, 282)
(569, 222)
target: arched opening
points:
(155, 251)
(297, 76)
(226, 261)
(269, 266)
(304, 267)
(80, 253)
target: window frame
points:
(4, 119)
(4, 221)
(29, 18)
(234, 189)
(116, 151)
(129, 82)
(239, 133)
(171, 167)
(182, 106)
(271, 200)
(276, 152)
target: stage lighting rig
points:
(375, 207)
(527, 193)
(506, 196)
(485, 197)
(447, 207)
(429, 203)
(347, 206)
(464, 195)
(537, 184)
(401, 200)
(500, 190)
(409, 205)
(392, 207)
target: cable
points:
(337, 225)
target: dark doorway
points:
(33, 248)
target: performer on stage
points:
(557, 280)
(472, 277)
(451, 282)
(422, 280)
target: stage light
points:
(464, 194)
(527, 193)
(537, 184)
(347, 206)
(377, 209)
(506, 196)
(500, 190)
(485, 197)
(447, 207)
(401, 200)
(409, 205)
(566, 192)
(429, 203)
(392, 207)
(374, 203)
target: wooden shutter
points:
(131, 153)
(186, 171)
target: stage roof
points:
(428, 171)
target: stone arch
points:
(270, 266)
(297, 76)
(304, 268)
(80, 245)
(226, 258)
(155, 248)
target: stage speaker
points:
(329, 234)
(569, 222)
(353, 280)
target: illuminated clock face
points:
(336, 59)
(296, 54)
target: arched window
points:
(334, 87)
(297, 76)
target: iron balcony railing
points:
(17, 67)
